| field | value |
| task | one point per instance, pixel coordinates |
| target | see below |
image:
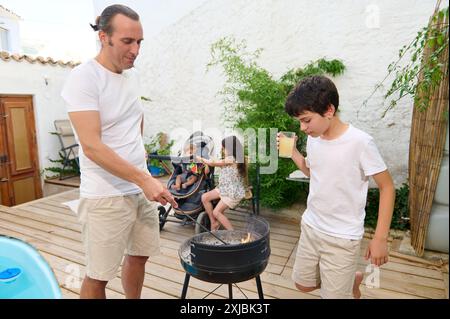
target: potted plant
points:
(158, 145)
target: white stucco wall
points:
(366, 35)
(11, 24)
(157, 14)
(29, 79)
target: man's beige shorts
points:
(328, 261)
(116, 225)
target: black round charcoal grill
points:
(222, 258)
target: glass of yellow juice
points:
(287, 140)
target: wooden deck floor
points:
(55, 231)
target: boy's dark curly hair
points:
(314, 94)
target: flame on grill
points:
(246, 239)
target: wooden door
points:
(20, 180)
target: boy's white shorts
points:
(328, 261)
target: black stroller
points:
(190, 209)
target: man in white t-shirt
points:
(340, 159)
(118, 196)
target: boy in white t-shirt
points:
(340, 159)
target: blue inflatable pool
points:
(24, 274)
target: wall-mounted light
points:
(46, 79)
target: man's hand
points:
(155, 191)
(377, 251)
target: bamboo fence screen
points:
(427, 140)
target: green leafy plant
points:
(71, 168)
(418, 72)
(158, 146)
(400, 218)
(253, 98)
(407, 80)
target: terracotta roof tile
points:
(9, 11)
(5, 56)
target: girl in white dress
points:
(231, 188)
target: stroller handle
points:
(175, 159)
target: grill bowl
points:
(208, 259)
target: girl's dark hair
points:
(234, 147)
(314, 94)
(103, 22)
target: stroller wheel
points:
(202, 219)
(162, 217)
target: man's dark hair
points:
(314, 94)
(103, 22)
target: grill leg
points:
(260, 290)
(185, 286)
(230, 291)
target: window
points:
(4, 40)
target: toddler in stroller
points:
(191, 172)
(189, 181)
